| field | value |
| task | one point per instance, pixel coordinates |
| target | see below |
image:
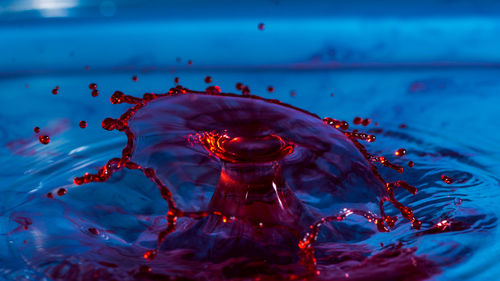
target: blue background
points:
(369, 54)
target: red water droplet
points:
(61, 191)
(44, 139)
(245, 91)
(82, 124)
(55, 91)
(50, 195)
(366, 122)
(239, 86)
(371, 138)
(344, 125)
(135, 78)
(387, 163)
(411, 164)
(176, 80)
(87, 67)
(213, 90)
(149, 172)
(149, 255)
(403, 126)
(108, 124)
(27, 86)
(93, 86)
(400, 152)
(208, 79)
(416, 224)
(117, 97)
(190, 62)
(270, 89)
(407, 213)
(293, 93)
(93, 230)
(357, 120)
(36, 130)
(447, 179)
(95, 93)
(332, 95)
(261, 26)
(78, 181)
(413, 190)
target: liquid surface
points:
(107, 227)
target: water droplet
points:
(44, 139)
(82, 124)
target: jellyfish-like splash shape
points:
(250, 185)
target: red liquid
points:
(44, 139)
(366, 122)
(82, 124)
(447, 179)
(400, 152)
(257, 166)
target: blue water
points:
(370, 63)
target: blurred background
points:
(430, 67)
(48, 36)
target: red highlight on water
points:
(447, 179)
